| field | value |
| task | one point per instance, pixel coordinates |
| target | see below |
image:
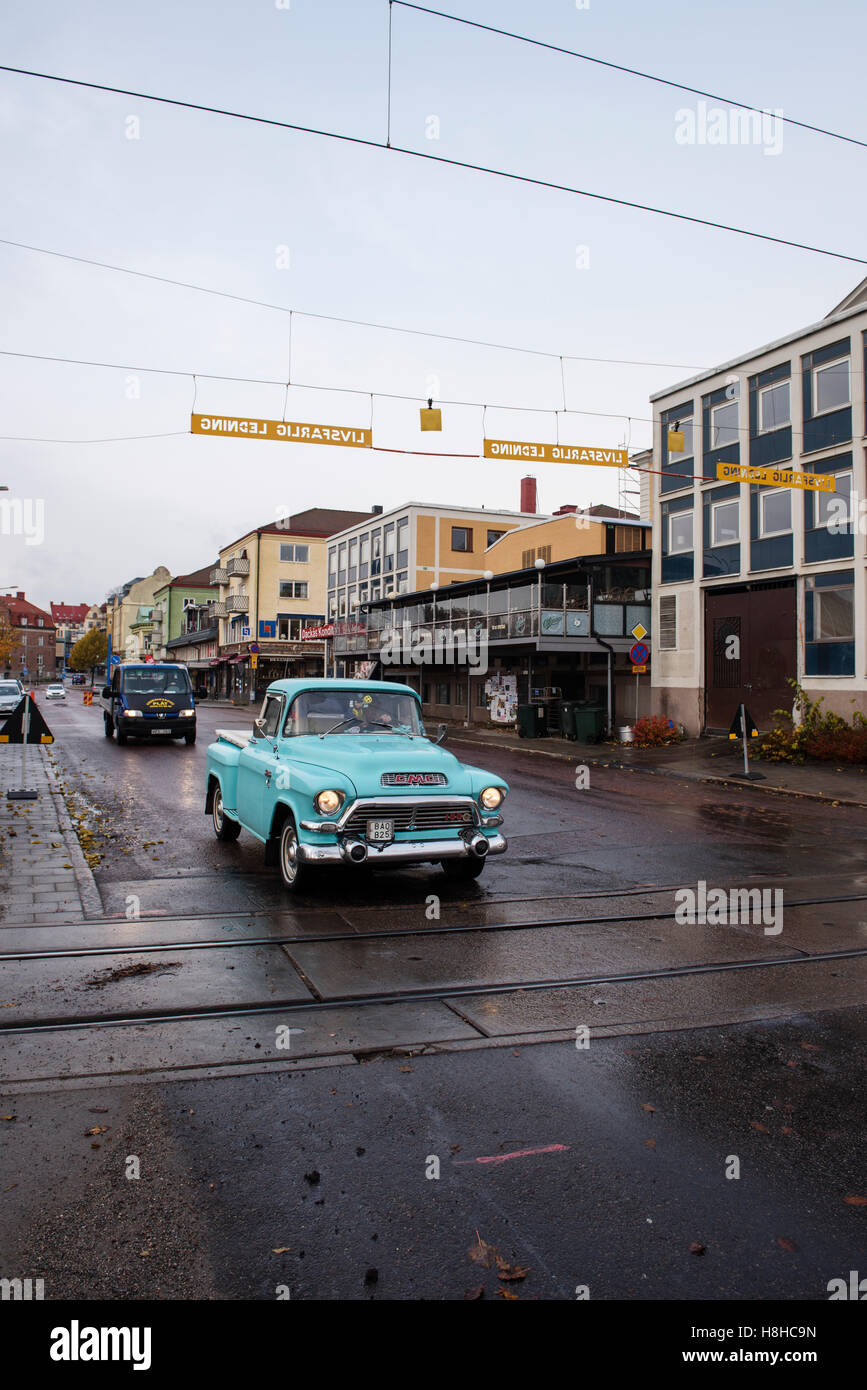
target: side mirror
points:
(259, 728)
(106, 692)
(442, 730)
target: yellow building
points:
(126, 622)
(271, 589)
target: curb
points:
(670, 772)
(91, 902)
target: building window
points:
(834, 509)
(831, 386)
(462, 538)
(775, 512)
(376, 553)
(482, 694)
(724, 523)
(668, 623)
(829, 612)
(774, 407)
(292, 588)
(353, 560)
(724, 425)
(299, 555)
(442, 697)
(425, 693)
(494, 536)
(679, 532)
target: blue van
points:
(149, 700)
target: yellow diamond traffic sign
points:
(638, 632)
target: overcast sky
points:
(381, 236)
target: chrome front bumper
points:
(402, 852)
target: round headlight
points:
(328, 802)
(491, 798)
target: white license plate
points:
(380, 831)
(160, 730)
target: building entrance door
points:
(750, 652)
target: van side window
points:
(115, 682)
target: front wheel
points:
(224, 828)
(293, 873)
(463, 868)
(190, 738)
(121, 736)
(109, 727)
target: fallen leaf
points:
(406, 1068)
(697, 1249)
(763, 1129)
(482, 1253)
(785, 1130)
(97, 1129)
(650, 1143)
(856, 1201)
(478, 1291)
(651, 1108)
(786, 1244)
(280, 1250)
(810, 1047)
(8, 1117)
(509, 1273)
(506, 1293)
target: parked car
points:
(342, 773)
(149, 700)
(55, 692)
(11, 692)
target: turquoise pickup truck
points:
(341, 772)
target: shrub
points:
(653, 732)
(820, 734)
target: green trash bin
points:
(567, 718)
(531, 721)
(589, 722)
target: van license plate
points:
(380, 831)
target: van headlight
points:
(491, 798)
(187, 713)
(132, 714)
(328, 802)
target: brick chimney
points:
(528, 494)
(565, 511)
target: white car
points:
(55, 692)
(10, 696)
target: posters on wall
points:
(502, 693)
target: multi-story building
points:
(69, 621)
(413, 547)
(271, 588)
(35, 657)
(550, 617)
(197, 646)
(129, 615)
(757, 583)
(171, 603)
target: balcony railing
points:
(237, 603)
(237, 567)
(218, 576)
(220, 610)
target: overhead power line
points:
(631, 72)
(526, 179)
(335, 318)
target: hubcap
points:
(218, 811)
(289, 855)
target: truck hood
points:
(364, 758)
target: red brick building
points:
(35, 657)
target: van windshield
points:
(353, 712)
(155, 680)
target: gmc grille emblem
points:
(413, 779)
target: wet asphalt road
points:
(598, 1167)
(146, 806)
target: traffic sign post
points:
(639, 655)
(743, 726)
(25, 727)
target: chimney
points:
(565, 511)
(376, 509)
(528, 494)
(19, 594)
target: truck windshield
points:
(353, 712)
(155, 680)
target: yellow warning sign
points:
(555, 453)
(776, 477)
(287, 431)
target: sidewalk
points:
(714, 759)
(44, 877)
